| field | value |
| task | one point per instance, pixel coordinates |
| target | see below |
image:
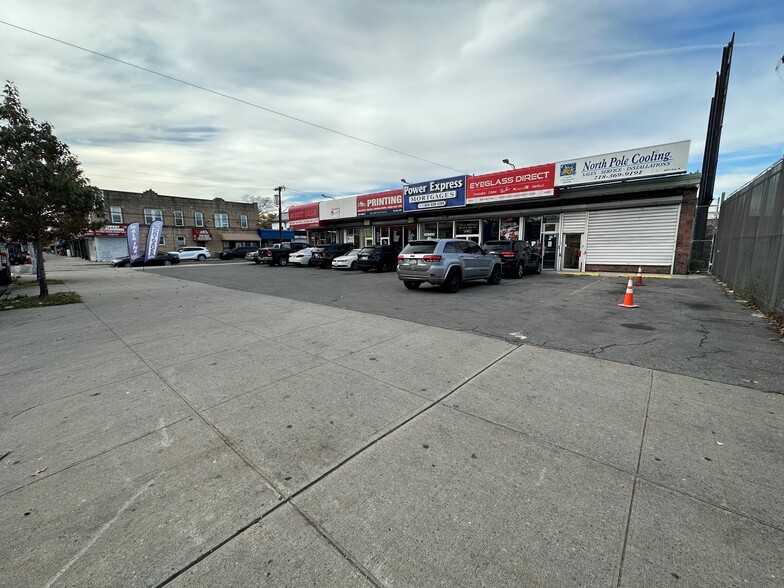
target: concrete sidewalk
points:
(172, 433)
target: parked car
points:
(160, 259)
(5, 266)
(301, 257)
(193, 253)
(446, 263)
(324, 254)
(237, 252)
(516, 257)
(278, 254)
(381, 258)
(347, 261)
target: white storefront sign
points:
(622, 165)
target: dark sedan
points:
(381, 258)
(160, 259)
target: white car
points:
(301, 257)
(347, 261)
(193, 253)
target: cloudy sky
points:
(423, 89)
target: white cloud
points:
(460, 83)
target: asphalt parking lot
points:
(682, 324)
(169, 432)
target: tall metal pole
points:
(279, 190)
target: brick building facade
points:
(217, 224)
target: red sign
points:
(201, 235)
(107, 231)
(380, 202)
(304, 216)
(513, 184)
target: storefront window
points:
(467, 230)
(509, 228)
(533, 228)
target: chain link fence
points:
(749, 243)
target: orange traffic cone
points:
(639, 277)
(628, 301)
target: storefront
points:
(611, 212)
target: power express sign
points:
(447, 193)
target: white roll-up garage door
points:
(632, 236)
(573, 222)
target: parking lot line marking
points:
(583, 288)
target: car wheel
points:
(519, 270)
(411, 285)
(495, 276)
(283, 261)
(353, 265)
(167, 262)
(453, 281)
(201, 257)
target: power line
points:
(229, 97)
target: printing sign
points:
(512, 184)
(623, 165)
(436, 194)
(380, 203)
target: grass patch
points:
(28, 283)
(56, 299)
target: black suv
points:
(324, 254)
(381, 258)
(236, 252)
(516, 257)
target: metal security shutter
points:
(573, 222)
(632, 236)
(107, 248)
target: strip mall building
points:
(611, 212)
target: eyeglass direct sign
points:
(435, 194)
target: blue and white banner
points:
(134, 242)
(153, 238)
(446, 193)
(656, 160)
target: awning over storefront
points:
(274, 234)
(239, 236)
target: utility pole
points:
(279, 198)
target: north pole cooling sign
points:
(624, 165)
(435, 194)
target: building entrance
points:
(550, 251)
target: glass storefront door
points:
(550, 251)
(572, 254)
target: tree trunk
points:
(39, 256)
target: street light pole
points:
(279, 196)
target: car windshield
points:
(354, 252)
(420, 247)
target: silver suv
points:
(446, 263)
